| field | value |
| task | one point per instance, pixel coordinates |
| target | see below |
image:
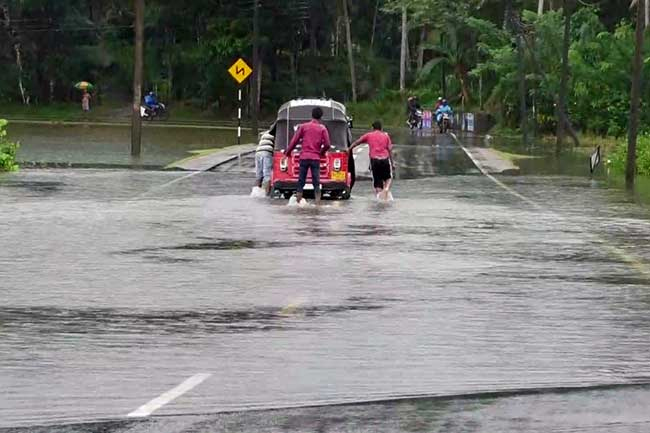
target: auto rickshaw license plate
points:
(338, 176)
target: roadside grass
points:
(8, 150)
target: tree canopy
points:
(465, 48)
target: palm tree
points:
(453, 53)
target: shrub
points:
(619, 157)
(8, 150)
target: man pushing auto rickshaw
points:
(381, 159)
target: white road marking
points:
(492, 178)
(623, 255)
(158, 402)
(164, 185)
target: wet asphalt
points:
(459, 307)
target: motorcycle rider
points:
(151, 102)
(412, 108)
(443, 109)
(438, 104)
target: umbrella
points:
(84, 85)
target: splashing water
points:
(258, 192)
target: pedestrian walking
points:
(381, 159)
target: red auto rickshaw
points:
(337, 171)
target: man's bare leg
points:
(267, 187)
(298, 197)
(386, 190)
(317, 196)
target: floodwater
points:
(93, 145)
(487, 311)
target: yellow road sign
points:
(240, 71)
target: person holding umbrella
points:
(85, 102)
(85, 87)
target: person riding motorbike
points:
(151, 102)
(443, 109)
(413, 108)
(438, 104)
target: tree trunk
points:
(256, 56)
(423, 39)
(540, 7)
(374, 26)
(19, 64)
(348, 38)
(6, 18)
(507, 13)
(136, 120)
(523, 112)
(564, 79)
(461, 73)
(635, 97)
(404, 48)
(313, 26)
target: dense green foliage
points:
(618, 157)
(7, 150)
(303, 53)
(600, 72)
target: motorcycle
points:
(415, 120)
(152, 114)
(445, 123)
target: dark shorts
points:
(314, 166)
(381, 171)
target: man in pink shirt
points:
(315, 143)
(381, 158)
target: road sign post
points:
(239, 71)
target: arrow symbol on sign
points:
(239, 70)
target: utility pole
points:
(136, 120)
(256, 66)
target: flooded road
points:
(100, 146)
(118, 286)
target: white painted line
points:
(164, 185)
(492, 178)
(239, 113)
(623, 255)
(172, 394)
(238, 132)
(239, 95)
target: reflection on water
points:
(97, 321)
(457, 287)
(110, 145)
